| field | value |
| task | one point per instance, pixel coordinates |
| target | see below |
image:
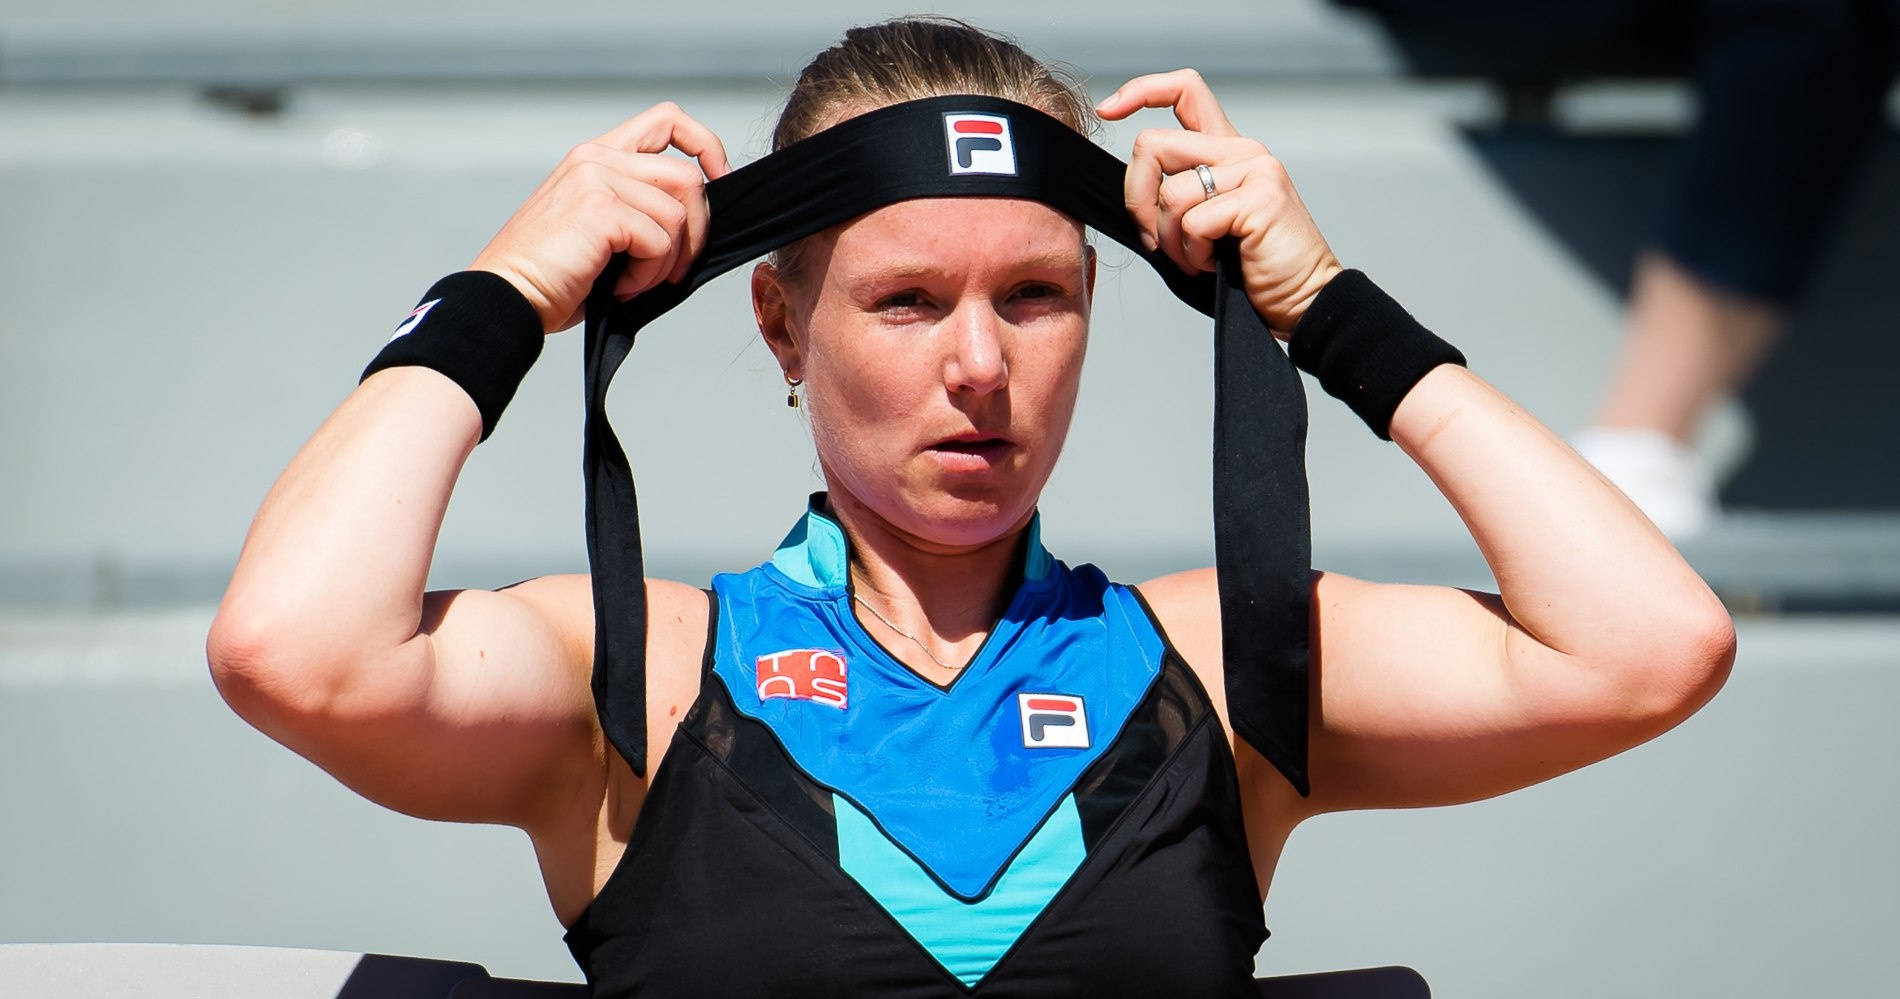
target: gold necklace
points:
(925, 649)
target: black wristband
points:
(1365, 349)
(477, 329)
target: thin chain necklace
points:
(925, 649)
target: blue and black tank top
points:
(1062, 819)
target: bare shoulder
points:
(1187, 606)
(580, 843)
(676, 617)
(679, 619)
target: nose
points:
(977, 362)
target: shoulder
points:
(1186, 606)
(676, 612)
(678, 619)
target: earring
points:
(791, 390)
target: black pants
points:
(1792, 94)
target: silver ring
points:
(1207, 179)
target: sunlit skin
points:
(941, 343)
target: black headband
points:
(984, 146)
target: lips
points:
(985, 445)
(973, 440)
(973, 451)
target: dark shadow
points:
(385, 976)
(1360, 983)
(515, 988)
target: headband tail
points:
(1262, 529)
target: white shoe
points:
(1666, 479)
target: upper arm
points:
(1433, 695)
(485, 715)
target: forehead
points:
(966, 232)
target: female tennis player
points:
(912, 752)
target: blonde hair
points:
(912, 58)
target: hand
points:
(613, 194)
(1284, 259)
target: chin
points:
(964, 513)
(965, 522)
(954, 515)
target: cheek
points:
(1058, 374)
(856, 394)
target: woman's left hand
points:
(1284, 259)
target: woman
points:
(840, 800)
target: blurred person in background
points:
(913, 753)
(1791, 95)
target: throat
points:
(946, 666)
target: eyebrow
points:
(1056, 260)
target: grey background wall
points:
(191, 288)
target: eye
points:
(1038, 290)
(912, 299)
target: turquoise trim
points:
(815, 552)
(1039, 561)
(967, 938)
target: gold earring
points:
(791, 390)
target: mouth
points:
(972, 451)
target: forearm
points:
(337, 557)
(1577, 564)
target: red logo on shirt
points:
(803, 674)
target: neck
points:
(943, 598)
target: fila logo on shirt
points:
(979, 143)
(1053, 721)
(414, 318)
(803, 675)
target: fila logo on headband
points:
(979, 143)
(1053, 721)
(414, 318)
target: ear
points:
(770, 309)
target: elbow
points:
(245, 668)
(1676, 683)
(261, 674)
(1716, 660)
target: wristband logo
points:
(414, 318)
(979, 143)
(1053, 721)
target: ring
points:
(1207, 179)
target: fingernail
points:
(1148, 242)
(1106, 101)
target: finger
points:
(665, 126)
(1175, 150)
(1180, 194)
(676, 177)
(1194, 104)
(655, 257)
(644, 222)
(649, 256)
(1204, 224)
(1141, 187)
(1160, 153)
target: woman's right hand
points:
(617, 193)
